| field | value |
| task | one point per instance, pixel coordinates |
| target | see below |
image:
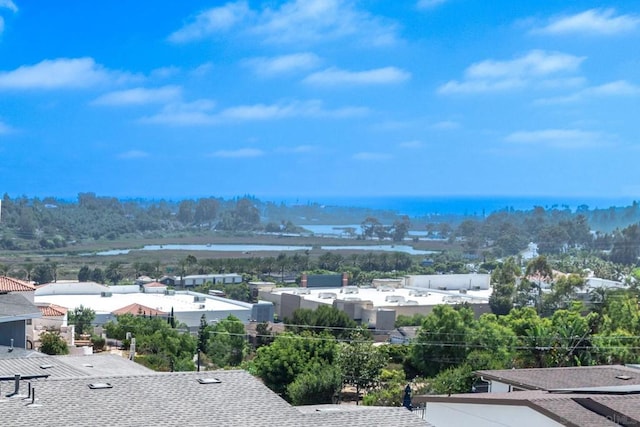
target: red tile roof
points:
(154, 285)
(138, 310)
(9, 284)
(52, 310)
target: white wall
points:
(498, 387)
(481, 415)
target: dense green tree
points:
(503, 281)
(82, 317)
(227, 343)
(290, 355)
(159, 346)
(113, 272)
(316, 387)
(360, 363)
(42, 274)
(52, 343)
(442, 340)
(324, 318)
(84, 274)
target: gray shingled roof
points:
(560, 407)
(570, 377)
(104, 364)
(70, 366)
(172, 399)
(16, 306)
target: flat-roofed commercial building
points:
(188, 307)
(375, 307)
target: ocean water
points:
(423, 205)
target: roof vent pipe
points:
(17, 387)
(28, 395)
(11, 346)
(33, 403)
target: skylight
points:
(97, 386)
(209, 381)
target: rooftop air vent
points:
(327, 295)
(623, 377)
(209, 381)
(99, 386)
(46, 366)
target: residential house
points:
(571, 396)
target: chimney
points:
(16, 391)
(345, 279)
(303, 280)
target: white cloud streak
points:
(558, 138)
(537, 68)
(5, 128)
(238, 154)
(311, 109)
(63, 73)
(283, 64)
(618, 88)
(201, 113)
(211, 21)
(8, 4)
(335, 77)
(591, 22)
(370, 156)
(133, 155)
(140, 96)
(296, 21)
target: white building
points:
(188, 307)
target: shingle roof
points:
(40, 365)
(569, 377)
(16, 306)
(9, 284)
(176, 399)
(560, 407)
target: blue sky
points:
(320, 98)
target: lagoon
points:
(266, 248)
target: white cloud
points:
(133, 154)
(61, 73)
(165, 72)
(284, 64)
(196, 113)
(310, 21)
(411, 144)
(202, 69)
(140, 96)
(240, 153)
(335, 76)
(592, 21)
(429, 4)
(371, 156)
(296, 21)
(201, 113)
(298, 149)
(8, 4)
(312, 109)
(211, 21)
(558, 138)
(446, 125)
(537, 68)
(5, 128)
(616, 88)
